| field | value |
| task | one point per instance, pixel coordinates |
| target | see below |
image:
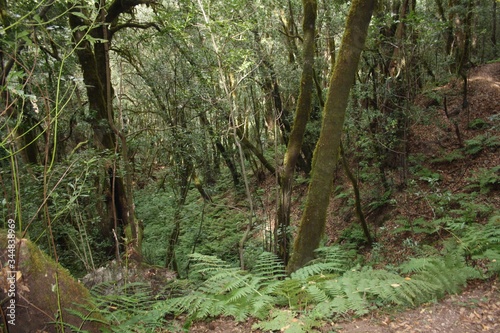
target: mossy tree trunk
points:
(281, 232)
(326, 154)
(92, 51)
(494, 28)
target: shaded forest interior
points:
(203, 147)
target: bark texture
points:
(281, 233)
(93, 58)
(326, 154)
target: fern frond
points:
(317, 294)
(204, 265)
(479, 238)
(447, 274)
(262, 305)
(250, 286)
(269, 266)
(332, 259)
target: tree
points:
(326, 153)
(494, 28)
(93, 37)
(296, 138)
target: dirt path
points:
(475, 310)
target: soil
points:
(477, 309)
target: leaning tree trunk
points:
(326, 154)
(281, 232)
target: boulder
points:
(38, 295)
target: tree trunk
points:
(281, 231)
(250, 146)
(326, 153)
(463, 36)
(448, 31)
(222, 150)
(494, 28)
(94, 61)
(357, 197)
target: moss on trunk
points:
(326, 154)
(281, 232)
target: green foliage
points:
(485, 180)
(453, 156)
(477, 124)
(417, 226)
(446, 274)
(72, 203)
(428, 175)
(482, 242)
(454, 212)
(226, 290)
(326, 288)
(480, 142)
(288, 321)
(381, 200)
(129, 308)
(331, 260)
(209, 229)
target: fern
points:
(485, 180)
(229, 291)
(269, 266)
(332, 259)
(483, 243)
(446, 274)
(205, 265)
(289, 322)
(480, 142)
(326, 288)
(129, 308)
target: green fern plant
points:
(445, 274)
(482, 242)
(485, 180)
(330, 286)
(287, 321)
(128, 308)
(331, 260)
(480, 142)
(453, 156)
(229, 291)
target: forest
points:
(246, 166)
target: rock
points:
(40, 286)
(115, 275)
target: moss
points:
(326, 154)
(40, 300)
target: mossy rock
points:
(41, 285)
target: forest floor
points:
(477, 308)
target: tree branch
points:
(133, 25)
(123, 6)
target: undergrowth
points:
(128, 308)
(332, 286)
